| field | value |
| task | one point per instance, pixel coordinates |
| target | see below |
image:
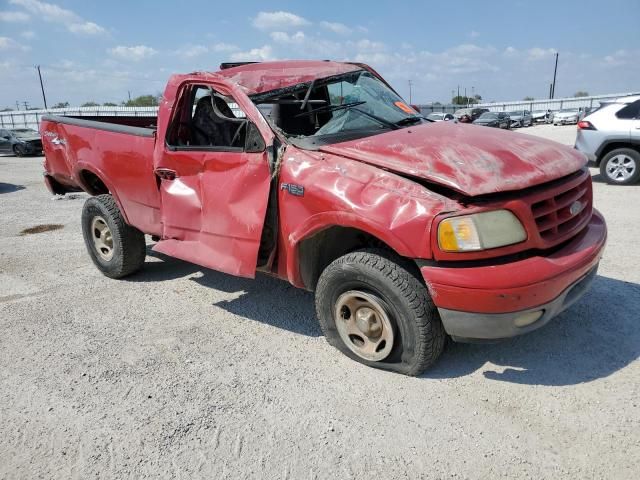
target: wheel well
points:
(316, 252)
(614, 146)
(92, 183)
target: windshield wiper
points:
(410, 120)
(351, 105)
(329, 108)
(386, 123)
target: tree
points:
(109, 104)
(61, 105)
(90, 104)
(528, 99)
(581, 93)
(462, 100)
(143, 101)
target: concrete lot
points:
(183, 372)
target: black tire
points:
(419, 336)
(128, 247)
(626, 155)
(18, 151)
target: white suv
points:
(610, 137)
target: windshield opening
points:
(335, 109)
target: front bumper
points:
(496, 301)
(470, 327)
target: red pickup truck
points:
(319, 173)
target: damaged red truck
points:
(317, 172)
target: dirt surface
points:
(183, 372)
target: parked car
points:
(440, 117)
(494, 119)
(520, 118)
(471, 113)
(20, 142)
(610, 137)
(407, 230)
(540, 116)
(566, 116)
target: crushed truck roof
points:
(262, 77)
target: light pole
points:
(555, 70)
(44, 98)
(410, 84)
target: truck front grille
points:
(564, 213)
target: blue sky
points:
(99, 51)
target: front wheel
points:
(376, 312)
(621, 166)
(18, 151)
(117, 249)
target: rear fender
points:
(80, 166)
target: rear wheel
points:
(621, 166)
(117, 249)
(375, 311)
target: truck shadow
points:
(9, 188)
(264, 299)
(593, 339)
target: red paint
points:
(213, 212)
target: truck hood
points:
(470, 159)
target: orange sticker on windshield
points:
(404, 107)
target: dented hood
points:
(470, 159)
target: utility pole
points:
(129, 93)
(410, 84)
(458, 97)
(465, 96)
(453, 94)
(44, 98)
(26, 105)
(17, 105)
(555, 70)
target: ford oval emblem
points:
(575, 208)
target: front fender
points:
(325, 220)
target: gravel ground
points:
(183, 372)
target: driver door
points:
(214, 180)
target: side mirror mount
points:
(254, 143)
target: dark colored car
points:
(494, 119)
(20, 142)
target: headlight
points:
(480, 231)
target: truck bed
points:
(95, 154)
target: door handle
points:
(166, 173)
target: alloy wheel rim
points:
(102, 238)
(621, 167)
(364, 325)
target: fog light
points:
(528, 318)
